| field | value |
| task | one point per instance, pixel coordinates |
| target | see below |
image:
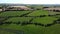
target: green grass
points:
(38, 13)
(42, 12)
(32, 29)
(18, 19)
(55, 29)
(13, 13)
(28, 29)
(44, 20)
(53, 13)
(1, 19)
(58, 16)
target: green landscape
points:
(30, 22)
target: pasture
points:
(29, 22)
(44, 20)
(13, 13)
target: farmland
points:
(44, 20)
(29, 22)
(38, 11)
(13, 13)
(42, 12)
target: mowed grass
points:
(18, 19)
(13, 13)
(44, 20)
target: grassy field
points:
(38, 13)
(13, 13)
(44, 20)
(32, 29)
(19, 19)
(42, 12)
(15, 17)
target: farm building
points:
(53, 9)
(17, 8)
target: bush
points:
(42, 15)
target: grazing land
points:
(29, 22)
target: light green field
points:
(38, 13)
(18, 19)
(13, 13)
(42, 12)
(44, 20)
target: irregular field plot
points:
(13, 13)
(19, 19)
(38, 13)
(54, 29)
(42, 12)
(44, 20)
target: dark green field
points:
(29, 22)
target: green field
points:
(13, 22)
(32, 29)
(13, 13)
(42, 12)
(44, 20)
(19, 19)
(38, 13)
